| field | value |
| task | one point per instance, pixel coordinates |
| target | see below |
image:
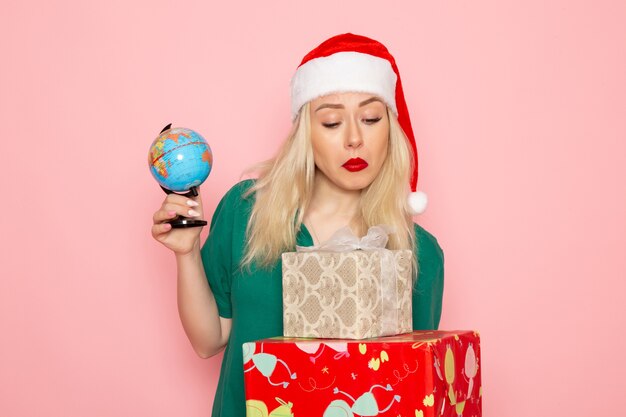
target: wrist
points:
(192, 254)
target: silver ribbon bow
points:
(343, 240)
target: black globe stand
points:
(180, 222)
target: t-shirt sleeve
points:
(428, 290)
(217, 251)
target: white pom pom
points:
(418, 201)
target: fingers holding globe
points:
(179, 240)
(180, 159)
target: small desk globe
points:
(180, 160)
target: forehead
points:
(344, 98)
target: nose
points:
(354, 139)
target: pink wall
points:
(519, 113)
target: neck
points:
(330, 200)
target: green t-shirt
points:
(253, 298)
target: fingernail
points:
(167, 226)
(192, 203)
(171, 213)
(193, 213)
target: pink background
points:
(519, 110)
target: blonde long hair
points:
(285, 185)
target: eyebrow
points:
(340, 106)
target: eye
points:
(330, 125)
(372, 121)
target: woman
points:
(348, 161)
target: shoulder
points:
(240, 191)
(235, 204)
(428, 249)
(238, 195)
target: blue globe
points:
(179, 159)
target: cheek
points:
(323, 146)
(380, 147)
(319, 149)
(382, 144)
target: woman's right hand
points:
(182, 240)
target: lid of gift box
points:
(455, 358)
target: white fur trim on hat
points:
(417, 200)
(341, 72)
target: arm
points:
(205, 329)
(428, 290)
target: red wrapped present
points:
(419, 374)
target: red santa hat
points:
(354, 63)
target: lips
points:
(355, 164)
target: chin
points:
(355, 184)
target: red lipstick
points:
(355, 164)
